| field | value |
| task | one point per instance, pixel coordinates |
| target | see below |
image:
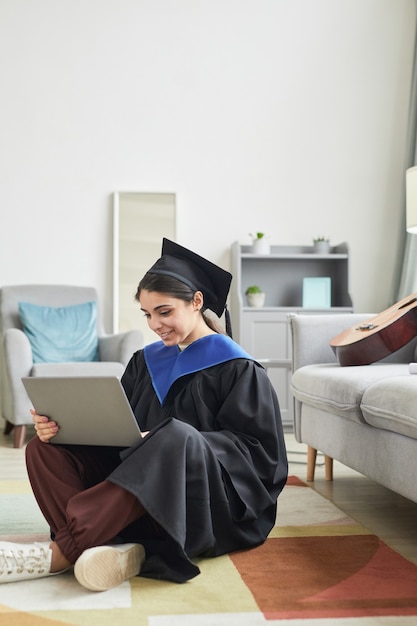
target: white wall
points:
(287, 117)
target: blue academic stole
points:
(168, 363)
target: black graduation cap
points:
(196, 272)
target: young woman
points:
(204, 479)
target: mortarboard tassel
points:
(228, 322)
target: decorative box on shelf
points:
(317, 292)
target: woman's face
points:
(173, 320)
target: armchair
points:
(17, 358)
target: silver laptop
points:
(89, 410)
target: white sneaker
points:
(23, 561)
(105, 567)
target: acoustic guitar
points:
(379, 336)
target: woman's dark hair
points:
(175, 288)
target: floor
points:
(388, 515)
(385, 513)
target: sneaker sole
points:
(105, 567)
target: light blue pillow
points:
(61, 334)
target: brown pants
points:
(81, 507)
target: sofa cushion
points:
(61, 334)
(339, 390)
(391, 404)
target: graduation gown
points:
(213, 464)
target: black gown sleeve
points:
(248, 439)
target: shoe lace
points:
(28, 560)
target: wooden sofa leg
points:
(8, 427)
(19, 436)
(328, 467)
(311, 462)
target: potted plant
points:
(260, 243)
(255, 296)
(321, 245)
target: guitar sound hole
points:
(407, 303)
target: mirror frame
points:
(140, 221)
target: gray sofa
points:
(363, 416)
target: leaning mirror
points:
(141, 220)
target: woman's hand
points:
(45, 429)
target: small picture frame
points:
(317, 292)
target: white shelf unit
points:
(264, 332)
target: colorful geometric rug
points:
(317, 567)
